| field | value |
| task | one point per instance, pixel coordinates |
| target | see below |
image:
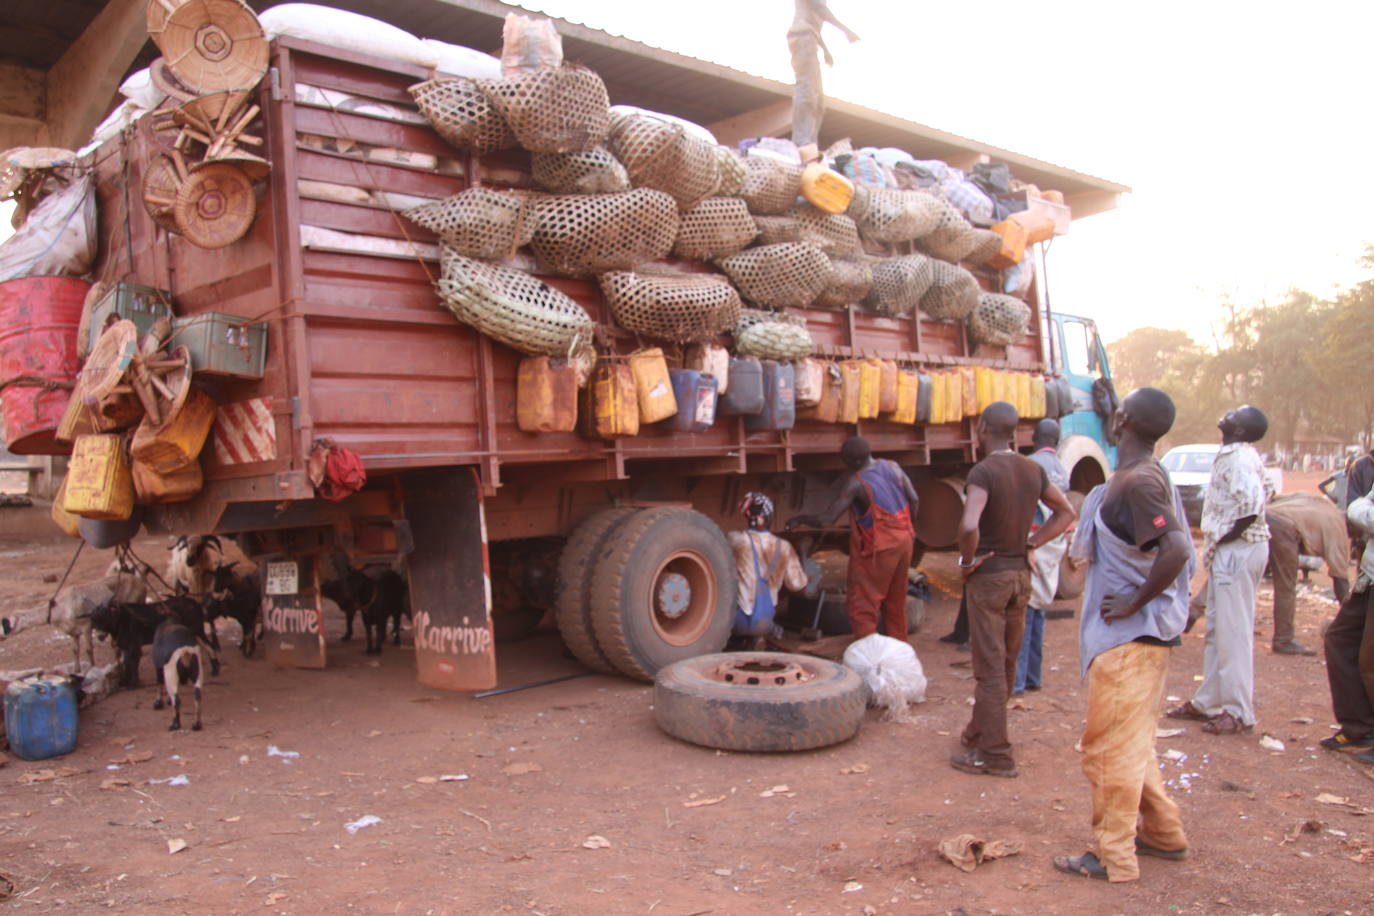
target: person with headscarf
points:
(764, 563)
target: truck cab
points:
(1077, 354)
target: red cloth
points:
(336, 472)
(878, 581)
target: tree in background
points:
(1345, 357)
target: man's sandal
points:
(1145, 849)
(1187, 710)
(1225, 724)
(1086, 865)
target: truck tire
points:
(663, 590)
(817, 702)
(1071, 580)
(572, 609)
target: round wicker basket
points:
(214, 44)
(160, 185)
(215, 206)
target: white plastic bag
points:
(343, 29)
(891, 672)
(57, 239)
(139, 89)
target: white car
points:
(1190, 470)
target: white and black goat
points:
(70, 610)
(177, 662)
(191, 567)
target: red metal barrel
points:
(38, 321)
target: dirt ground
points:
(686, 830)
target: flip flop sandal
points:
(1187, 711)
(1145, 849)
(1225, 724)
(1086, 865)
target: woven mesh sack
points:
(750, 317)
(998, 319)
(677, 307)
(893, 215)
(732, 171)
(770, 187)
(478, 222)
(459, 111)
(793, 273)
(553, 109)
(774, 340)
(774, 230)
(953, 239)
(849, 283)
(591, 233)
(661, 155)
(834, 233)
(593, 171)
(953, 292)
(514, 308)
(715, 228)
(899, 284)
(986, 244)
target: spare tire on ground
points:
(759, 701)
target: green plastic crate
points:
(143, 305)
(222, 344)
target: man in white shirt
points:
(1235, 549)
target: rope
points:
(148, 570)
(33, 381)
(53, 600)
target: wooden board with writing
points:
(293, 624)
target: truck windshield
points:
(1188, 461)
(1077, 348)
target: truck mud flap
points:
(292, 622)
(450, 585)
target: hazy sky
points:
(1243, 128)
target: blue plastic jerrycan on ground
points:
(41, 718)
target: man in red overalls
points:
(882, 505)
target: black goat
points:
(354, 593)
(176, 660)
(393, 600)
(133, 626)
(238, 598)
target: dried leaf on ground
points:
(702, 802)
(596, 842)
(175, 846)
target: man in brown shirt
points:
(994, 553)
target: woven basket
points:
(553, 109)
(953, 292)
(774, 340)
(715, 228)
(849, 283)
(892, 215)
(732, 171)
(986, 245)
(833, 233)
(215, 206)
(680, 307)
(593, 171)
(460, 113)
(750, 317)
(513, 307)
(999, 320)
(899, 283)
(478, 222)
(774, 230)
(591, 233)
(770, 187)
(953, 239)
(793, 273)
(212, 45)
(160, 185)
(661, 155)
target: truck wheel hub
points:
(674, 595)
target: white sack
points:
(692, 128)
(58, 239)
(456, 60)
(342, 29)
(891, 671)
(139, 89)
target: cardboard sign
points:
(282, 578)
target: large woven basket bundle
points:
(593, 171)
(732, 171)
(715, 228)
(953, 239)
(850, 280)
(590, 233)
(553, 109)
(893, 215)
(790, 274)
(1000, 320)
(514, 308)
(459, 111)
(834, 233)
(899, 283)
(662, 155)
(478, 222)
(953, 292)
(986, 244)
(770, 187)
(774, 340)
(677, 307)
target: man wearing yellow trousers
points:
(1135, 606)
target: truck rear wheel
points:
(759, 701)
(572, 610)
(1071, 581)
(663, 590)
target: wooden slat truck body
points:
(361, 351)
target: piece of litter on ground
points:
(852, 886)
(374, 734)
(1174, 755)
(453, 777)
(1197, 677)
(181, 779)
(1326, 798)
(1174, 699)
(115, 784)
(854, 770)
(367, 820)
(1169, 732)
(700, 802)
(175, 846)
(596, 842)
(427, 780)
(287, 756)
(1270, 743)
(722, 872)
(1301, 720)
